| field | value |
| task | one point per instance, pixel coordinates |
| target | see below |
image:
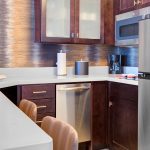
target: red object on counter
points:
(128, 76)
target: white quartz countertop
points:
(20, 76)
(19, 132)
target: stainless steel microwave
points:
(127, 27)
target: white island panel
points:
(18, 131)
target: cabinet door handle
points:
(39, 107)
(110, 103)
(77, 35)
(74, 88)
(39, 92)
(72, 35)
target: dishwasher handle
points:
(74, 88)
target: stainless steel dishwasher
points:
(73, 106)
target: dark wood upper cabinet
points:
(123, 116)
(54, 21)
(123, 6)
(126, 4)
(72, 21)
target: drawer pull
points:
(39, 121)
(39, 92)
(39, 107)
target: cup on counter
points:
(81, 67)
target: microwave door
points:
(127, 31)
(144, 46)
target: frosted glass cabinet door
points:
(89, 19)
(58, 18)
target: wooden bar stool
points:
(64, 135)
(29, 108)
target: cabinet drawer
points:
(38, 91)
(41, 116)
(45, 105)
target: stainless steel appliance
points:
(144, 85)
(73, 107)
(81, 67)
(127, 27)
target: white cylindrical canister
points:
(61, 64)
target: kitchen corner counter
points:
(116, 78)
(20, 76)
(19, 132)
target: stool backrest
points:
(64, 135)
(29, 108)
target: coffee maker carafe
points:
(115, 64)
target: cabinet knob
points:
(110, 103)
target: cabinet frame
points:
(77, 39)
(40, 24)
(118, 9)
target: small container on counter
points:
(81, 67)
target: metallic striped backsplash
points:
(18, 49)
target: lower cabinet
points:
(123, 116)
(99, 115)
(114, 116)
(43, 95)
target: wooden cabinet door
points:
(99, 115)
(94, 21)
(123, 114)
(54, 21)
(88, 21)
(125, 5)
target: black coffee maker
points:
(115, 64)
